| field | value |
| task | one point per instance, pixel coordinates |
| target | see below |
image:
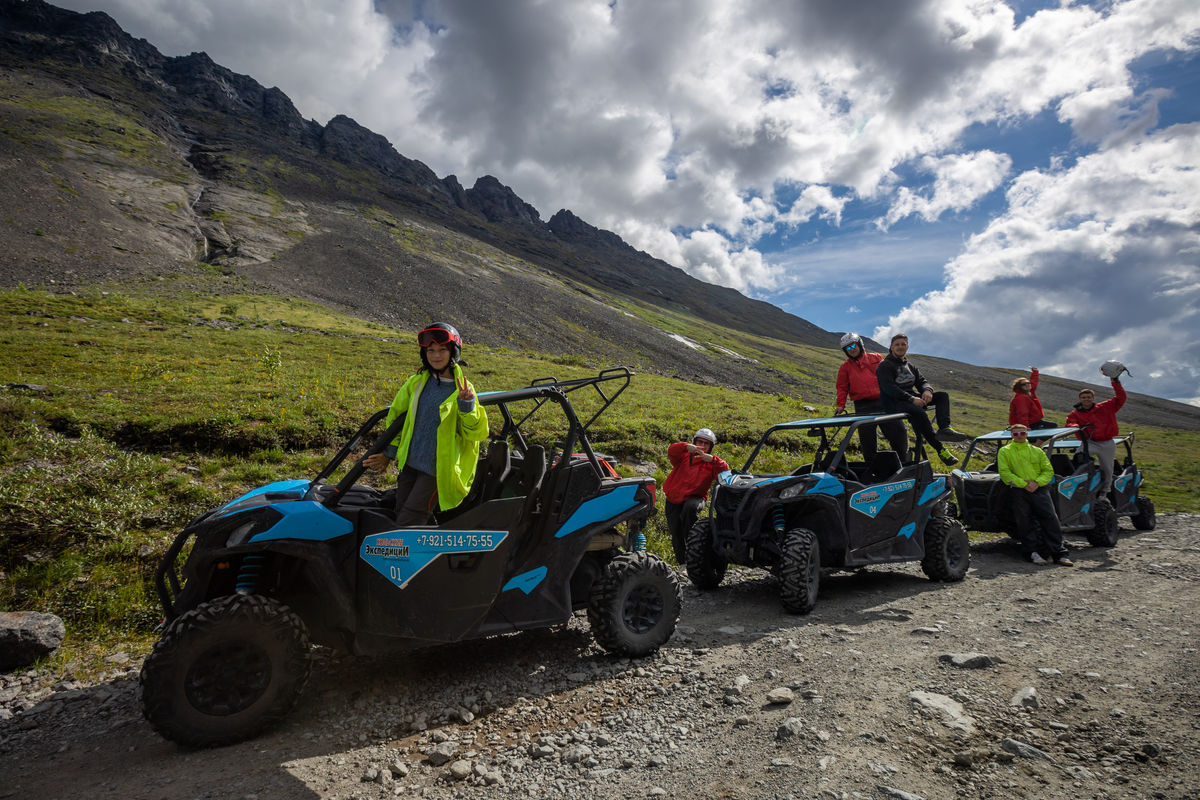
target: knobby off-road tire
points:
(705, 570)
(800, 571)
(1144, 519)
(947, 549)
(634, 604)
(1104, 534)
(225, 670)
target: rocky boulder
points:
(26, 636)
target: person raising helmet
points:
(437, 449)
(856, 380)
(693, 470)
(1098, 421)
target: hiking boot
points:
(948, 458)
(948, 434)
(1063, 561)
(1036, 558)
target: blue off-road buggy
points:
(831, 513)
(984, 501)
(1126, 496)
(547, 530)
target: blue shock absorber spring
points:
(247, 579)
(779, 520)
(639, 542)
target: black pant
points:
(1046, 538)
(415, 493)
(894, 431)
(920, 420)
(680, 519)
(1042, 424)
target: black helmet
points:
(440, 333)
(848, 341)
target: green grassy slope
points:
(126, 412)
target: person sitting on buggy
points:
(1026, 470)
(1025, 408)
(903, 389)
(438, 447)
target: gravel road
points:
(1021, 681)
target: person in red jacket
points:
(856, 380)
(1102, 417)
(693, 470)
(1025, 408)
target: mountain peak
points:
(499, 203)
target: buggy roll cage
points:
(831, 450)
(540, 391)
(1047, 439)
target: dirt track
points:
(1107, 646)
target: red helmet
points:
(441, 333)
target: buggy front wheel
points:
(225, 670)
(1104, 533)
(800, 571)
(704, 568)
(634, 604)
(947, 549)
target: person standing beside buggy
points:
(438, 447)
(1025, 408)
(694, 468)
(856, 381)
(903, 389)
(1026, 470)
(1098, 421)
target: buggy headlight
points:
(793, 491)
(240, 534)
(255, 523)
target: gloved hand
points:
(1113, 369)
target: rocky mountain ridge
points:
(122, 164)
(214, 113)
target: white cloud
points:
(710, 257)
(1098, 261)
(959, 181)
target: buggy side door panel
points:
(881, 520)
(435, 584)
(1074, 495)
(537, 587)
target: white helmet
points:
(849, 340)
(1113, 369)
(705, 433)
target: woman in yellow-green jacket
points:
(438, 447)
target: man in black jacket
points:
(902, 389)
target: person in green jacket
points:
(1026, 470)
(438, 447)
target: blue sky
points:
(1010, 182)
